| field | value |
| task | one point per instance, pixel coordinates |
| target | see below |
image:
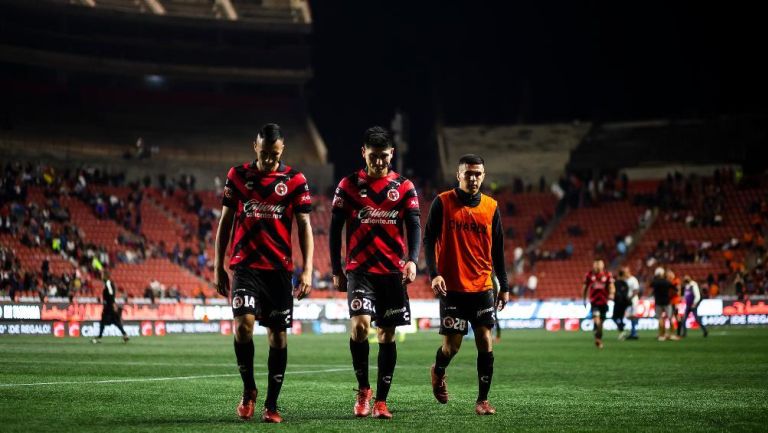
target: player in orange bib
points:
(464, 245)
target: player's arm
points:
(307, 246)
(334, 244)
(497, 256)
(432, 231)
(696, 293)
(413, 233)
(584, 293)
(611, 290)
(224, 232)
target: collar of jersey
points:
(467, 199)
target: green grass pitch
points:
(542, 382)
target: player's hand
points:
(585, 302)
(340, 282)
(438, 286)
(409, 272)
(305, 285)
(221, 281)
(501, 300)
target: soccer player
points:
(464, 246)
(599, 284)
(110, 313)
(259, 202)
(374, 203)
(692, 297)
(621, 302)
(662, 288)
(634, 301)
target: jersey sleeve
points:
(302, 200)
(340, 204)
(411, 199)
(231, 195)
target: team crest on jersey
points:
(249, 184)
(356, 304)
(393, 195)
(281, 189)
(363, 192)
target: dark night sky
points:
(513, 62)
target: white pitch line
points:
(159, 379)
(141, 363)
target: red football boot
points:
(439, 387)
(245, 408)
(484, 408)
(363, 402)
(380, 410)
(272, 416)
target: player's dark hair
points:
(377, 137)
(270, 133)
(471, 159)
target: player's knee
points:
(359, 331)
(244, 331)
(277, 339)
(450, 349)
(386, 335)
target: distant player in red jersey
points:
(260, 200)
(598, 283)
(464, 247)
(374, 203)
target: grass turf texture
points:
(542, 382)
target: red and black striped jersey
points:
(265, 204)
(598, 285)
(374, 210)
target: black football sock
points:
(244, 354)
(102, 325)
(387, 361)
(120, 327)
(360, 362)
(484, 374)
(441, 362)
(278, 359)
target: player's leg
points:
(597, 319)
(359, 348)
(277, 361)
(244, 310)
(102, 324)
(695, 311)
(453, 328)
(276, 300)
(661, 318)
(682, 330)
(360, 299)
(118, 321)
(386, 369)
(392, 309)
(483, 342)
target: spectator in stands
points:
(518, 261)
(532, 284)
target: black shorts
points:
(268, 295)
(458, 309)
(108, 315)
(384, 297)
(619, 309)
(601, 310)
